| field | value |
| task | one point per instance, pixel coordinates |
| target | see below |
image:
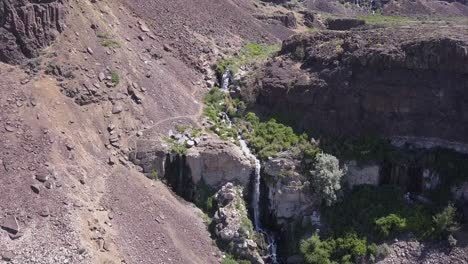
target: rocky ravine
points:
(394, 82)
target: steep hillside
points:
(70, 116)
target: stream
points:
(272, 245)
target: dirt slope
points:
(69, 119)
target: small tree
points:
(326, 178)
(445, 223)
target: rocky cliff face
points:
(26, 26)
(288, 191)
(214, 162)
(395, 82)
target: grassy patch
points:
(379, 19)
(250, 53)
(115, 78)
(107, 41)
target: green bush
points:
(269, 138)
(315, 251)
(229, 260)
(176, 147)
(115, 78)
(391, 224)
(326, 178)
(345, 249)
(383, 251)
(154, 175)
(445, 223)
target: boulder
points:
(10, 224)
(230, 223)
(288, 190)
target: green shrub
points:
(154, 175)
(345, 249)
(383, 251)
(229, 260)
(299, 53)
(445, 222)
(326, 178)
(391, 224)
(269, 138)
(315, 251)
(115, 78)
(176, 147)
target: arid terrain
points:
(92, 92)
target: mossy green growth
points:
(250, 53)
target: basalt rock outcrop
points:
(232, 225)
(212, 162)
(393, 82)
(27, 26)
(288, 191)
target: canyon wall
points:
(27, 26)
(393, 82)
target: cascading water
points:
(272, 247)
(225, 80)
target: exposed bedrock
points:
(27, 26)
(394, 82)
(288, 192)
(212, 162)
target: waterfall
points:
(272, 247)
(225, 80)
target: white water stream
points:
(272, 246)
(225, 80)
